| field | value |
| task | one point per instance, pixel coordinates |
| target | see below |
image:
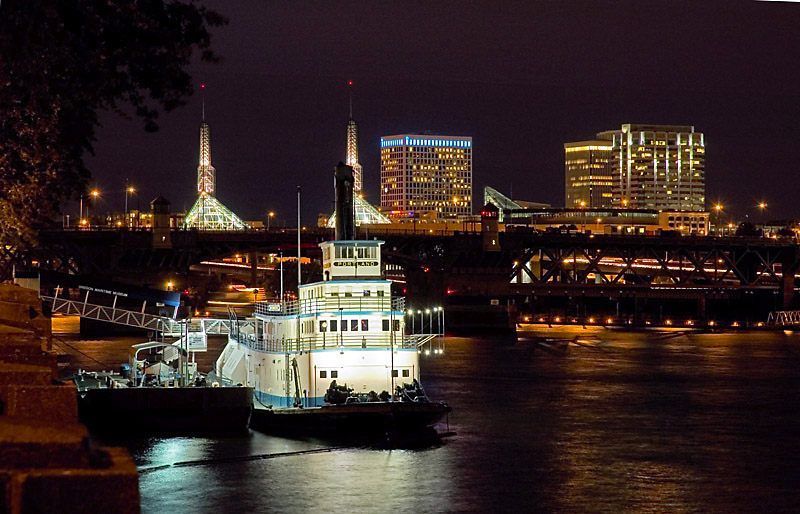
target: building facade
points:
(587, 173)
(659, 167)
(423, 173)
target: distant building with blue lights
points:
(423, 173)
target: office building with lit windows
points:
(659, 167)
(587, 173)
(423, 174)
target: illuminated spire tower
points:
(351, 159)
(206, 174)
(208, 213)
(364, 212)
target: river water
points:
(565, 420)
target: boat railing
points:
(331, 304)
(335, 341)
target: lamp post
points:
(430, 319)
(718, 213)
(583, 216)
(129, 190)
(269, 219)
(95, 194)
(762, 206)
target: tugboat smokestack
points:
(345, 222)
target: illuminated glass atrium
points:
(208, 213)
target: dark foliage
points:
(61, 61)
(747, 229)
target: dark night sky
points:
(520, 78)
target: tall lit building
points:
(423, 173)
(208, 213)
(658, 167)
(587, 172)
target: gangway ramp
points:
(168, 327)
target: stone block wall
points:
(47, 462)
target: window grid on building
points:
(424, 173)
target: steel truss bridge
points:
(527, 263)
(653, 266)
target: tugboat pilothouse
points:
(338, 355)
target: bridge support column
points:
(789, 267)
(638, 316)
(701, 309)
(253, 268)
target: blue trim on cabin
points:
(266, 317)
(281, 401)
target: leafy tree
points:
(747, 230)
(61, 61)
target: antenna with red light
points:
(203, 97)
(350, 88)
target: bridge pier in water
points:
(253, 268)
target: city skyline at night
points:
(275, 113)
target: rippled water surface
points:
(565, 420)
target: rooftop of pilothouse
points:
(351, 260)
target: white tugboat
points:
(336, 359)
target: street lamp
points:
(94, 194)
(129, 190)
(430, 319)
(718, 211)
(583, 216)
(762, 206)
(269, 218)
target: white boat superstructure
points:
(347, 328)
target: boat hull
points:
(352, 420)
(166, 410)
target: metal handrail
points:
(331, 304)
(335, 340)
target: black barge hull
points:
(166, 410)
(354, 420)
